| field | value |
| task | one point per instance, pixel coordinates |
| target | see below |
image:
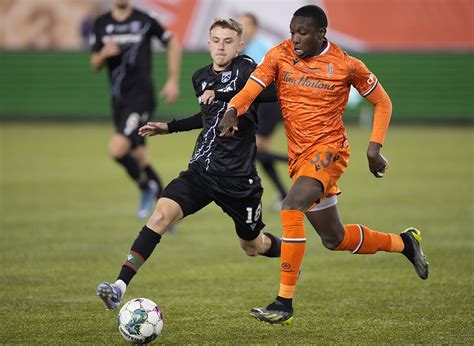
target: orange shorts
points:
(325, 163)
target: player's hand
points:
(110, 49)
(228, 125)
(152, 129)
(170, 91)
(377, 163)
(208, 97)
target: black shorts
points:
(129, 118)
(269, 115)
(239, 197)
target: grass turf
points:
(67, 220)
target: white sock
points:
(121, 285)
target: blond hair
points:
(228, 23)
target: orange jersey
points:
(312, 93)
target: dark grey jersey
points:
(130, 71)
(233, 156)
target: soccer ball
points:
(140, 321)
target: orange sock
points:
(362, 240)
(292, 250)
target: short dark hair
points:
(315, 12)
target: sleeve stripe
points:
(255, 79)
(371, 89)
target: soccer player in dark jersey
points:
(121, 39)
(221, 170)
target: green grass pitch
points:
(67, 221)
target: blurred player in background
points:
(255, 46)
(121, 39)
(313, 77)
(269, 114)
(221, 170)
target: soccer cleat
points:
(275, 313)
(147, 202)
(110, 294)
(412, 239)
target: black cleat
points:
(275, 313)
(412, 239)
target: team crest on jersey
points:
(135, 26)
(330, 69)
(109, 28)
(226, 76)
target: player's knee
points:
(115, 153)
(159, 220)
(118, 148)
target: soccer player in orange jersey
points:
(313, 78)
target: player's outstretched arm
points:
(153, 128)
(382, 114)
(185, 124)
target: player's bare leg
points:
(140, 153)
(328, 225)
(118, 146)
(167, 212)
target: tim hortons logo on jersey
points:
(226, 76)
(307, 82)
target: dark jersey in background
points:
(130, 71)
(234, 156)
